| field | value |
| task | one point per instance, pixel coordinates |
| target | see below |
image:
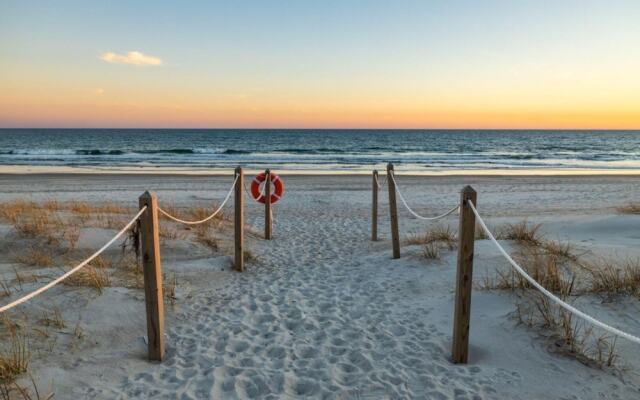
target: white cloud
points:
(132, 57)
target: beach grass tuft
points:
(630, 208)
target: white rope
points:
(377, 181)
(547, 293)
(380, 185)
(76, 268)
(166, 214)
(454, 209)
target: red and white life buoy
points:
(275, 180)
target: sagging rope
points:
(182, 221)
(415, 214)
(547, 293)
(264, 188)
(76, 268)
(378, 181)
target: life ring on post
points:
(275, 180)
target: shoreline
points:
(21, 170)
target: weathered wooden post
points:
(374, 206)
(150, 247)
(239, 220)
(393, 211)
(267, 206)
(464, 279)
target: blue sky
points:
(401, 57)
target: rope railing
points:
(378, 181)
(262, 191)
(182, 221)
(76, 268)
(415, 214)
(544, 291)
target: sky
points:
(320, 64)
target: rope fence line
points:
(76, 268)
(547, 293)
(149, 242)
(182, 221)
(415, 214)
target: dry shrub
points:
(437, 234)
(14, 360)
(614, 278)
(72, 234)
(101, 262)
(522, 232)
(53, 319)
(130, 272)
(90, 276)
(51, 205)
(37, 223)
(14, 391)
(168, 232)
(10, 211)
(35, 257)
(574, 338)
(431, 251)
(204, 236)
(631, 208)
(559, 249)
(546, 269)
(106, 221)
(79, 207)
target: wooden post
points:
(239, 221)
(393, 211)
(374, 207)
(267, 206)
(150, 246)
(462, 311)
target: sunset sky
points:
(328, 64)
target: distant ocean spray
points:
(412, 150)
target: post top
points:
(267, 171)
(238, 168)
(147, 197)
(468, 189)
(389, 166)
(148, 194)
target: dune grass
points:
(90, 276)
(431, 251)
(15, 356)
(37, 257)
(557, 267)
(436, 233)
(630, 208)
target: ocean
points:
(322, 150)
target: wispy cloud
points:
(132, 57)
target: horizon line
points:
(326, 129)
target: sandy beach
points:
(321, 311)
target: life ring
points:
(275, 180)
